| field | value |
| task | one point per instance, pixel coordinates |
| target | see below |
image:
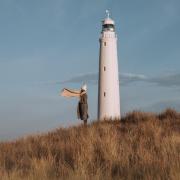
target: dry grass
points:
(141, 146)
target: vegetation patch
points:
(140, 146)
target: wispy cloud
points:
(92, 78)
(126, 78)
(171, 80)
(88, 78)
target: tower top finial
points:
(108, 13)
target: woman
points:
(82, 109)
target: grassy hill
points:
(140, 146)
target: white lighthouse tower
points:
(108, 90)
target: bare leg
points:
(85, 122)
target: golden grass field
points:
(140, 146)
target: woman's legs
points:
(85, 122)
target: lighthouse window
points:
(104, 94)
(104, 43)
(108, 27)
(104, 68)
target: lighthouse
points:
(108, 85)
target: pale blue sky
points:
(47, 45)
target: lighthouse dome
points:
(108, 21)
(108, 24)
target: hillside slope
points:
(140, 146)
